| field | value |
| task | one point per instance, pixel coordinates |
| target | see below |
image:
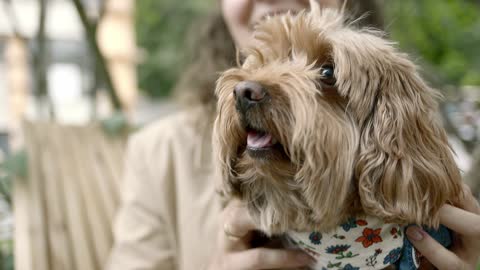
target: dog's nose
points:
(249, 91)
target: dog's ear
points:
(405, 167)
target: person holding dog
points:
(172, 218)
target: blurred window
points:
(65, 90)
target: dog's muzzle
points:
(249, 94)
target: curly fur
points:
(372, 144)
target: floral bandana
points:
(362, 243)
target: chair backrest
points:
(65, 207)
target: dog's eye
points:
(327, 75)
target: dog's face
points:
(323, 121)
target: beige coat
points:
(170, 209)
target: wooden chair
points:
(65, 207)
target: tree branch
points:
(40, 58)
(40, 54)
(91, 33)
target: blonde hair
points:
(211, 50)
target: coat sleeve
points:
(144, 229)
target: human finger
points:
(460, 221)
(438, 255)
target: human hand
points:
(234, 251)
(465, 222)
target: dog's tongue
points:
(258, 140)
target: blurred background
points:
(114, 62)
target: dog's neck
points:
(276, 211)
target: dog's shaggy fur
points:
(368, 144)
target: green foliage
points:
(444, 33)
(161, 27)
(6, 255)
(12, 167)
(16, 164)
(115, 125)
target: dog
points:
(326, 124)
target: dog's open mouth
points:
(259, 139)
(261, 144)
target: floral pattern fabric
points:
(359, 243)
(363, 244)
